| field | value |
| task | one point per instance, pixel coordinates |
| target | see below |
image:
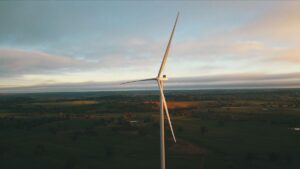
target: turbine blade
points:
(138, 81)
(166, 109)
(167, 49)
(168, 116)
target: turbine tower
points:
(163, 104)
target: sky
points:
(54, 45)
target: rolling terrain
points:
(216, 129)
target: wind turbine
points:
(163, 103)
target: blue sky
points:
(54, 43)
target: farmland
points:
(216, 129)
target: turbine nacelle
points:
(163, 78)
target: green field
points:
(216, 129)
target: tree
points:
(39, 150)
(203, 130)
(142, 131)
(109, 152)
(69, 164)
(179, 129)
(273, 156)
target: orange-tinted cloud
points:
(291, 55)
(281, 24)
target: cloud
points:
(19, 62)
(225, 81)
(41, 23)
(291, 55)
(16, 62)
(271, 37)
(238, 77)
(88, 40)
(224, 48)
(281, 29)
(280, 24)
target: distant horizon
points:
(153, 89)
(236, 81)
